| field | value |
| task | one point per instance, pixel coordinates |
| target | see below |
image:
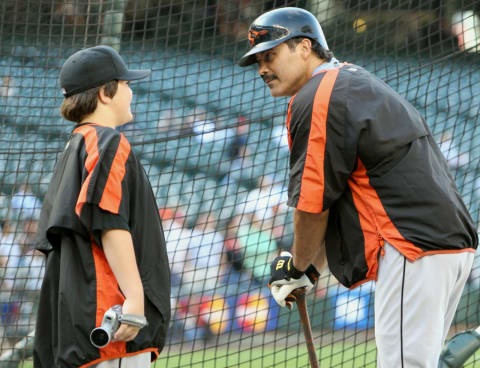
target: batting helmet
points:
(279, 25)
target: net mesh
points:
(213, 143)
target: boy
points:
(100, 228)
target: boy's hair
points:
(75, 108)
(316, 47)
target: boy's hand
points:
(128, 332)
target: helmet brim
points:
(249, 58)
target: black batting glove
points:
(286, 278)
(282, 269)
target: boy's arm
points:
(118, 249)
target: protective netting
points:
(213, 144)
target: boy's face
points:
(121, 103)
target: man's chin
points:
(277, 93)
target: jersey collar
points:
(325, 66)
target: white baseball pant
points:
(415, 303)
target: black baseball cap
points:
(93, 67)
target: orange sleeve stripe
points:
(313, 180)
(91, 146)
(375, 221)
(112, 193)
(108, 295)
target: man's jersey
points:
(362, 151)
(98, 184)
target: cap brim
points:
(131, 75)
(249, 57)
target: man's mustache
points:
(269, 78)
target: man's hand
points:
(286, 278)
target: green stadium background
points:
(213, 144)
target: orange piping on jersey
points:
(374, 219)
(364, 281)
(289, 116)
(313, 181)
(153, 350)
(91, 146)
(366, 217)
(112, 194)
(447, 251)
(108, 295)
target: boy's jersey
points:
(98, 184)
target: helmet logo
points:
(252, 35)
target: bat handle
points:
(307, 329)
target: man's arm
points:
(309, 240)
(118, 249)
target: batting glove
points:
(285, 278)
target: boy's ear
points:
(102, 97)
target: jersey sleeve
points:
(103, 201)
(319, 163)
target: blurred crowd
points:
(210, 256)
(21, 266)
(227, 257)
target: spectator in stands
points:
(205, 255)
(26, 204)
(455, 159)
(258, 246)
(170, 124)
(265, 200)
(239, 140)
(204, 128)
(6, 87)
(239, 167)
(233, 248)
(71, 12)
(280, 136)
(201, 125)
(283, 228)
(239, 275)
(26, 287)
(10, 255)
(10, 252)
(177, 239)
(232, 21)
(196, 261)
(31, 264)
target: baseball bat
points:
(299, 294)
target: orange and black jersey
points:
(98, 184)
(362, 151)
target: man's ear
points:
(305, 47)
(102, 97)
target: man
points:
(371, 191)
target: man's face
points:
(282, 69)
